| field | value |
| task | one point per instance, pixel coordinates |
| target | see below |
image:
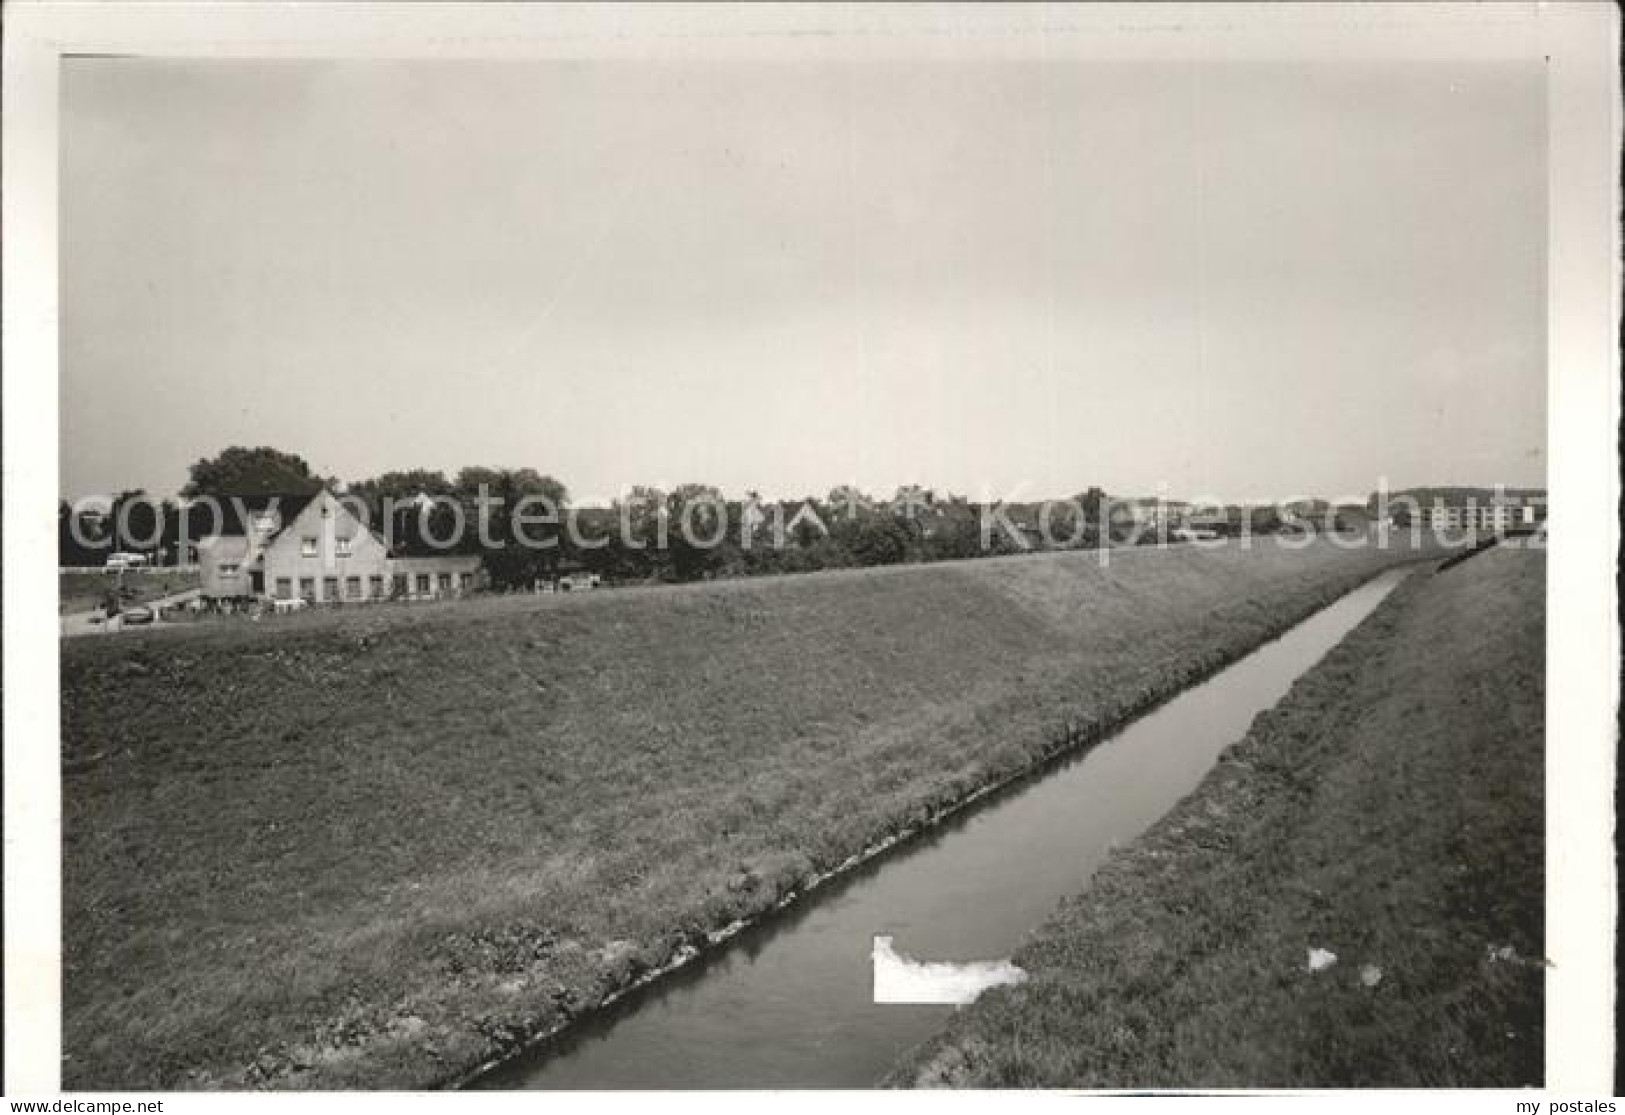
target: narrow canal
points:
(788, 1004)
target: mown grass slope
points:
(1389, 810)
(379, 846)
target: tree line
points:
(636, 538)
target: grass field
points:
(82, 592)
(377, 847)
(1389, 810)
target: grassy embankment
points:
(381, 846)
(1388, 810)
(82, 592)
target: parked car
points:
(140, 614)
(121, 561)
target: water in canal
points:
(788, 1003)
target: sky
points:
(1232, 279)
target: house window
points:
(228, 569)
(284, 588)
(342, 545)
(445, 582)
(330, 588)
(423, 584)
(465, 581)
(400, 584)
(307, 546)
(352, 588)
(375, 586)
(307, 587)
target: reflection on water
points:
(790, 1003)
(902, 979)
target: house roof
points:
(236, 513)
(224, 546)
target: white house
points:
(313, 547)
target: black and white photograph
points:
(761, 548)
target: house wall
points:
(223, 551)
(447, 575)
(326, 555)
(322, 569)
(1479, 517)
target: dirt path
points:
(90, 623)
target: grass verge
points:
(1388, 811)
(380, 847)
(83, 592)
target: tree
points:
(136, 522)
(80, 536)
(262, 471)
(1093, 503)
(401, 485)
(510, 484)
(958, 534)
(698, 530)
(515, 556)
(847, 501)
(389, 500)
(912, 501)
(1263, 520)
(878, 540)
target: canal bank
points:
(577, 800)
(788, 1002)
(1353, 897)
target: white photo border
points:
(1579, 42)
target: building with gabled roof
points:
(315, 548)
